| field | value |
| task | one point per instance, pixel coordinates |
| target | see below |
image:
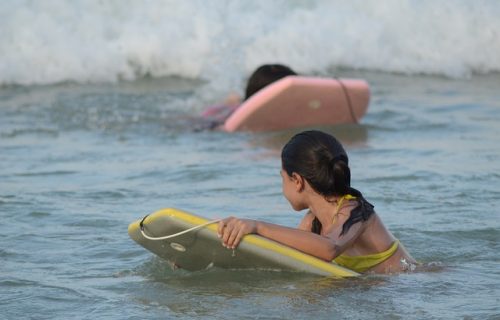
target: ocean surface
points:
(99, 126)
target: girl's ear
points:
(299, 181)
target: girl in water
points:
(340, 225)
(259, 79)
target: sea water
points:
(98, 127)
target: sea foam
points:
(51, 41)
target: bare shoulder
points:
(306, 223)
(376, 234)
(375, 221)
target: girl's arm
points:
(232, 230)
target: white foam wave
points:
(103, 41)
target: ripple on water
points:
(39, 214)
(46, 173)
(4, 253)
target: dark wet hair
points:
(320, 159)
(264, 75)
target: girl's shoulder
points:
(307, 220)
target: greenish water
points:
(78, 163)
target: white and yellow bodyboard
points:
(202, 249)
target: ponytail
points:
(341, 177)
(361, 212)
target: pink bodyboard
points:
(297, 101)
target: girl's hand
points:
(232, 229)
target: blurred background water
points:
(98, 106)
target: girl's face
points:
(291, 190)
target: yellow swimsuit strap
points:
(339, 205)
